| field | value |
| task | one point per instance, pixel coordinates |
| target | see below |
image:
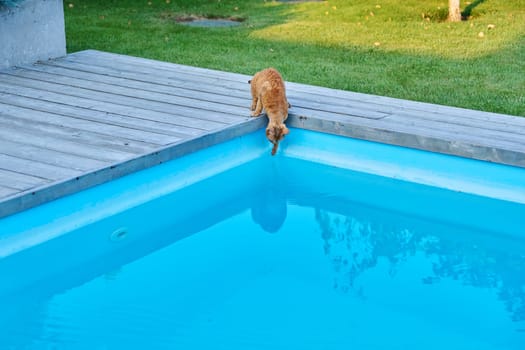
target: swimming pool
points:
(333, 243)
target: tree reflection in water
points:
(355, 245)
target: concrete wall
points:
(32, 31)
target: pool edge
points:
(413, 140)
(56, 190)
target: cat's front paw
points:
(255, 114)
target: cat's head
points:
(276, 132)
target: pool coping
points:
(412, 140)
(51, 192)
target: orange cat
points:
(268, 92)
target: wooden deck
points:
(71, 123)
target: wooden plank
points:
(183, 81)
(324, 103)
(130, 97)
(423, 141)
(188, 95)
(153, 126)
(400, 105)
(177, 117)
(94, 55)
(53, 157)
(459, 129)
(158, 103)
(33, 168)
(6, 192)
(240, 97)
(139, 89)
(35, 137)
(117, 132)
(132, 64)
(237, 93)
(482, 120)
(502, 124)
(298, 110)
(125, 86)
(201, 90)
(58, 132)
(19, 181)
(394, 133)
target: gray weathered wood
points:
(45, 170)
(185, 117)
(19, 181)
(60, 133)
(59, 158)
(34, 117)
(149, 100)
(73, 145)
(222, 91)
(150, 125)
(7, 192)
(225, 85)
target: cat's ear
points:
(285, 130)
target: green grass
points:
(398, 48)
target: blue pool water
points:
(332, 244)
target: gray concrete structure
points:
(32, 31)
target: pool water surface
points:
(332, 244)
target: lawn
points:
(398, 48)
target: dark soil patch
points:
(297, 1)
(209, 21)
